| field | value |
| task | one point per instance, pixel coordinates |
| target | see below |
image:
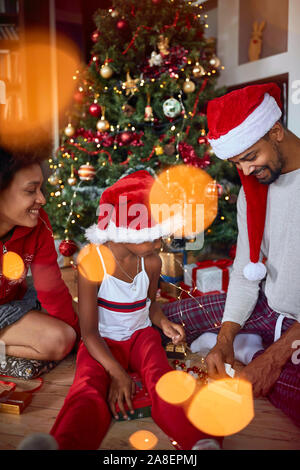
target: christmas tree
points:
(140, 104)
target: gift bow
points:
(219, 263)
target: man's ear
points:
(276, 133)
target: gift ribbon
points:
(222, 264)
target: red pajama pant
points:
(85, 416)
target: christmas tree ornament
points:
(171, 108)
(125, 137)
(106, 71)
(53, 179)
(202, 140)
(156, 59)
(169, 149)
(69, 130)
(148, 110)
(159, 150)
(103, 125)
(95, 110)
(114, 13)
(215, 61)
(95, 36)
(72, 180)
(198, 70)
(67, 247)
(189, 86)
(122, 24)
(78, 96)
(128, 110)
(130, 84)
(156, 2)
(163, 45)
(87, 172)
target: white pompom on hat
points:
(236, 121)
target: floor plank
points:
(270, 428)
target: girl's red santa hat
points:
(125, 213)
(236, 121)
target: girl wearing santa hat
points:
(116, 318)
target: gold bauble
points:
(69, 130)
(106, 71)
(189, 86)
(53, 179)
(198, 70)
(102, 125)
(72, 180)
(215, 61)
(159, 150)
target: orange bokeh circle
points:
(90, 265)
(176, 387)
(185, 192)
(223, 407)
(143, 440)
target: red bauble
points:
(122, 24)
(95, 36)
(95, 110)
(78, 96)
(202, 140)
(68, 248)
(126, 137)
(156, 2)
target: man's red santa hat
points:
(125, 213)
(236, 121)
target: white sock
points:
(245, 345)
(204, 343)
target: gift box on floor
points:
(208, 276)
(171, 274)
(141, 401)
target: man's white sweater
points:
(281, 247)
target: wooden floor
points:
(270, 428)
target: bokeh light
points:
(188, 191)
(90, 265)
(33, 108)
(223, 407)
(143, 440)
(12, 266)
(176, 387)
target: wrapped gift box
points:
(208, 276)
(141, 401)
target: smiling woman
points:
(26, 241)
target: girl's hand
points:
(173, 331)
(121, 388)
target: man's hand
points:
(121, 388)
(262, 373)
(216, 358)
(173, 331)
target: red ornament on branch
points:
(122, 24)
(95, 36)
(95, 110)
(67, 248)
(78, 96)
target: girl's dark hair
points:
(14, 159)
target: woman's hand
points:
(122, 388)
(173, 330)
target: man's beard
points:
(275, 172)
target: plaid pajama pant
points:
(205, 313)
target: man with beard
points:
(263, 297)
